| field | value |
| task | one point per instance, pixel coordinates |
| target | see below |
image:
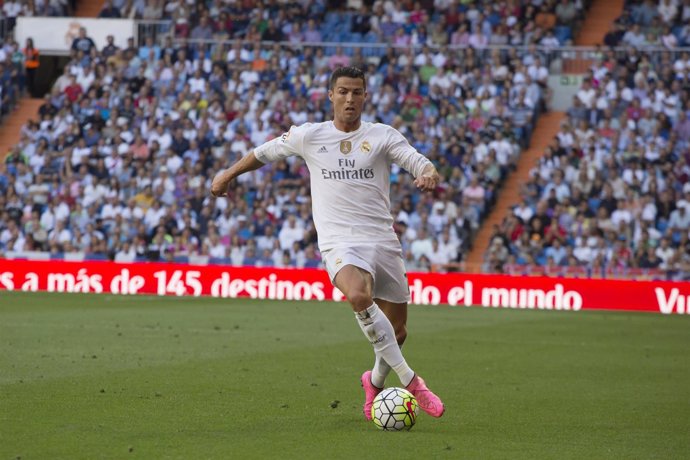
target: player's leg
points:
(397, 315)
(373, 381)
(357, 285)
(392, 285)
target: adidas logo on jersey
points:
(323, 149)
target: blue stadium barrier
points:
(219, 261)
(98, 257)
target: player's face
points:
(348, 96)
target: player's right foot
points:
(370, 392)
(427, 400)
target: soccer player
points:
(349, 163)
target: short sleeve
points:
(288, 144)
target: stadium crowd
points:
(646, 23)
(610, 197)
(119, 162)
(14, 56)
(12, 75)
(436, 23)
(10, 10)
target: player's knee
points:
(360, 300)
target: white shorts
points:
(385, 263)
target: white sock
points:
(380, 371)
(379, 331)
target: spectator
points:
(109, 11)
(339, 59)
(272, 33)
(131, 138)
(634, 37)
(110, 48)
(152, 10)
(11, 9)
(31, 65)
(422, 246)
(83, 42)
(203, 30)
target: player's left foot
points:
(370, 392)
(428, 401)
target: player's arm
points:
(289, 144)
(428, 180)
(220, 184)
(403, 154)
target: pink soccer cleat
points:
(428, 401)
(370, 392)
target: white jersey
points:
(350, 177)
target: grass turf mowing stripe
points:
(209, 378)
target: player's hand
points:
(428, 181)
(220, 184)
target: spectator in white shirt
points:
(634, 37)
(60, 234)
(239, 52)
(438, 256)
(679, 220)
(669, 39)
(449, 246)
(126, 254)
(111, 209)
(621, 214)
(153, 215)
(587, 94)
(668, 10)
(291, 232)
(267, 241)
(438, 219)
(665, 252)
(163, 179)
(85, 78)
(422, 246)
(197, 82)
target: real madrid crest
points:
(345, 147)
(366, 147)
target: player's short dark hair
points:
(350, 72)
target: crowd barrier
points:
(491, 291)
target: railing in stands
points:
(559, 59)
(5, 30)
(158, 30)
(614, 273)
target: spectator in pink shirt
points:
(338, 59)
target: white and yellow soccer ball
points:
(394, 409)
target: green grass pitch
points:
(86, 376)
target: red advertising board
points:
(293, 284)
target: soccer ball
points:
(394, 409)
